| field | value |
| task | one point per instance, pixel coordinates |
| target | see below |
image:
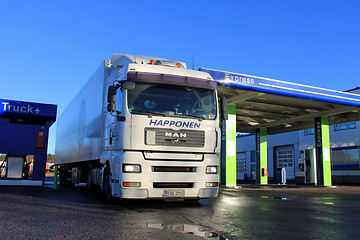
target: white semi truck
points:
(143, 127)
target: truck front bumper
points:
(141, 193)
(155, 184)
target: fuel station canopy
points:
(267, 106)
(282, 106)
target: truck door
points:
(110, 121)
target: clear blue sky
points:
(48, 49)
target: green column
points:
(322, 144)
(261, 156)
(231, 146)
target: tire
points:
(68, 183)
(107, 186)
(62, 175)
(89, 178)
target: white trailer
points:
(143, 127)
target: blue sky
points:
(48, 49)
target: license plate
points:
(174, 227)
(174, 193)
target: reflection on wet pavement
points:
(280, 198)
(187, 228)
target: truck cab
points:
(161, 131)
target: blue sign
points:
(26, 110)
(267, 85)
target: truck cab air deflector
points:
(171, 79)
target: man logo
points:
(175, 135)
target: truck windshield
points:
(171, 100)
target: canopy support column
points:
(261, 156)
(322, 145)
(230, 163)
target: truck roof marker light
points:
(178, 65)
(152, 62)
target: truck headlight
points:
(131, 168)
(211, 169)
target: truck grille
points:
(172, 185)
(173, 169)
(175, 138)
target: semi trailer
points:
(142, 128)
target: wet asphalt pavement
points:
(245, 213)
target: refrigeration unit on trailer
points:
(143, 127)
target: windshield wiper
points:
(149, 113)
(194, 116)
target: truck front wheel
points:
(107, 185)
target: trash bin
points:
(281, 175)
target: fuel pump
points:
(307, 167)
(300, 175)
(310, 166)
(15, 166)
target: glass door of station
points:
(240, 165)
(285, 159)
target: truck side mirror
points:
(225, 116)
(112, 94)
(111, 107)
(223, 107)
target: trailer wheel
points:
(62, 175)
(89, 178)
(67, 176)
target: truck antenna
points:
(134, 54)
(193, 67)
